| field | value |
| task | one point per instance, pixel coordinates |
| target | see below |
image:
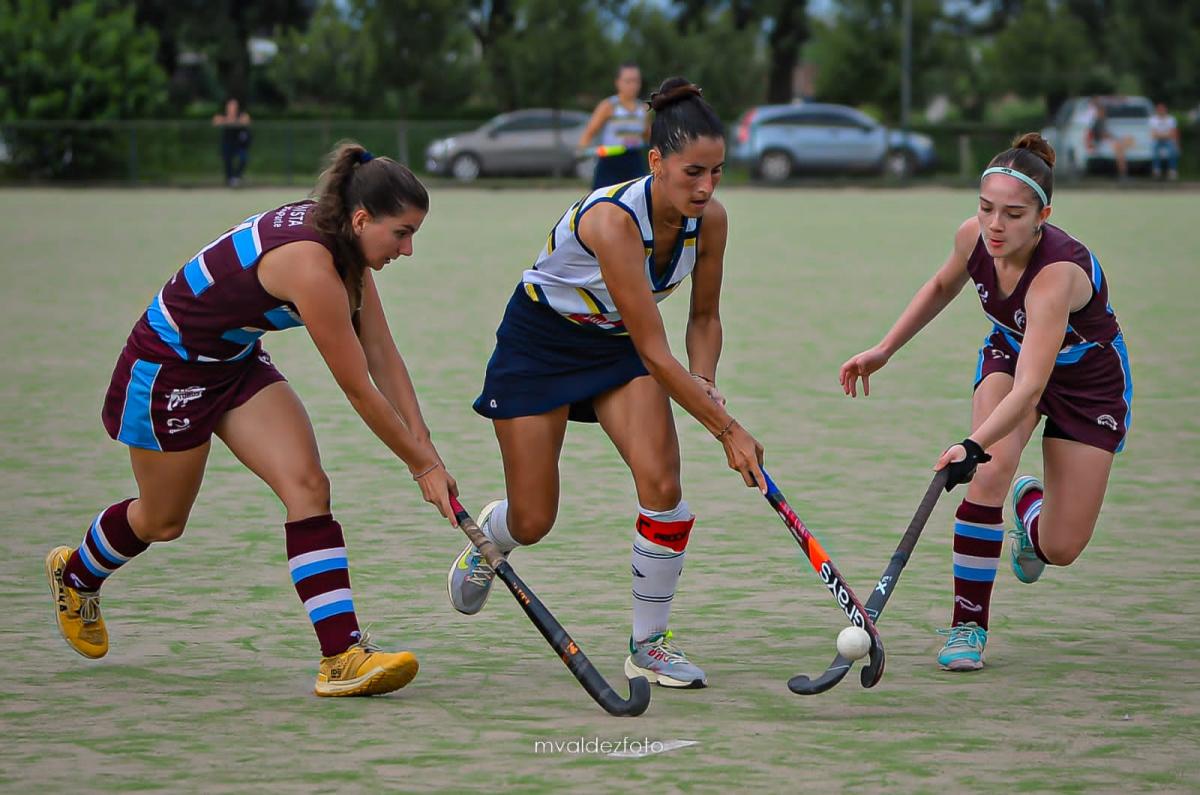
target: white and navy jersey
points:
(625, 127)
(567, 276)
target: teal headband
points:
(1028, 180)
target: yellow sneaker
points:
(77, 612)
(365, 670)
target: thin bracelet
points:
(726, 429)
(425, 472)
(703, 378)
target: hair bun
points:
(1036, 144)
(674, 89)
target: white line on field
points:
(659, 747)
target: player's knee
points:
(991, 481)
(308, 492)
(530, 524)
(1060, 551)
(660, 492)
(158, 529)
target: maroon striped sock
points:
(1029, 508)
(1032, 527)
(978, 539)
(320, 571)
(107, 546)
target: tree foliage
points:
(78, 61)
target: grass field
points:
(1092, 678)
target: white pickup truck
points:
(1127, 118)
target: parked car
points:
(1128, 117)
(777, 141)
(535, 141)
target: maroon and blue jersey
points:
(214, 309)
(1092, 326)
(1089, 395)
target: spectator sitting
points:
(1164, 135)
(1099, 132)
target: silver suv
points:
(777, 141)
(535, 141)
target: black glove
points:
(962, 471)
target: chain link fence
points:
(188, 152)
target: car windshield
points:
(1127, 110)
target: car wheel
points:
(465, 168)
(899, 164)
(775, 166)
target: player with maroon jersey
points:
(194, 366)
(1055, 351)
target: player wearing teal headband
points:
(1055, 350)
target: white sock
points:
(656, 571)
(496, 528)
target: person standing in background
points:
(623, 124)
(235, 140)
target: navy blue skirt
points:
(619, 168)
(543, 361)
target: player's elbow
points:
(704, 320)
(657, 361)
(358, 391)
(1028, 393)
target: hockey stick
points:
(829, 575)
(574, 658)
(840, 666)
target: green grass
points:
(1091, 684)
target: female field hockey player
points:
(1055, 351)
(193, 366)
(582, 339)
(623, 125)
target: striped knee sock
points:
(317, 559)
(978, 539)
(658, 549)
(107, 546)
(1030, 509)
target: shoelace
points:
(481, 571)
(668, 647)
(959, 636)
(365, 643)
(89, 607)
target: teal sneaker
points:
(470, 579)
(658, 659)
(1026, 565)
(964, 647)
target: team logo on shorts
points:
(177, 425)
(181, 397)
(1019, 318)
(1107, 420)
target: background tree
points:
(79, 61)
(723, 60)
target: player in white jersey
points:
(582, 339)
(623, 126)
